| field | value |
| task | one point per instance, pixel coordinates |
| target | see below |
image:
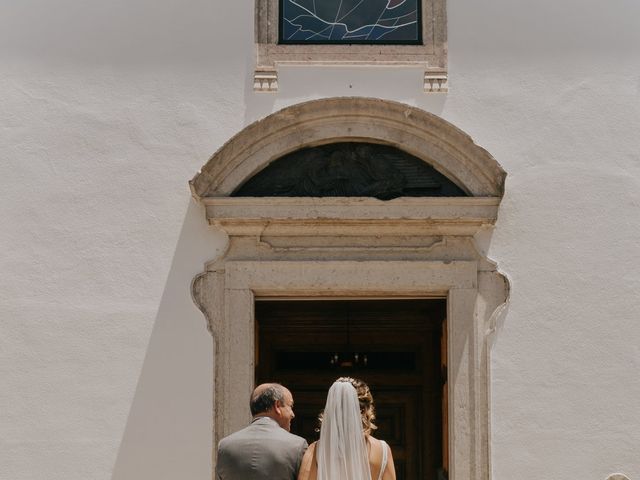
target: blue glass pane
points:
(350, 21)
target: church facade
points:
(437, 197)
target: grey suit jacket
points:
(261, 451)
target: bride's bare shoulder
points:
(308, 465)
(373, 440)
(311, 449)
(376, 445)
(375, 451)
(376, 459)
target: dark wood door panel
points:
(397, 414)
(297, 340)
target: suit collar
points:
(264, 421)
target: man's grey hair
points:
(266, 398)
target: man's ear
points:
(278, 407)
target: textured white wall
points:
(108, 108)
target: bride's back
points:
(377, 461)
(346, 451)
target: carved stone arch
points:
(356, 247)
(426, 136)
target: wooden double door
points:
(397, 346)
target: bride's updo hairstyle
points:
(367, 410)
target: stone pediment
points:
(227, 187)
(427, 137)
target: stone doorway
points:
(361, 242)
(395, 345)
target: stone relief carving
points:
(349, 169)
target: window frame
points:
(283, 41)
(430, 54)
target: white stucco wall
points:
(108, 108)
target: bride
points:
(346, 450)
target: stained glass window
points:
(350, 21)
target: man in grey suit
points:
(265, 450)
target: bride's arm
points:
(307, 472)
(390, 471)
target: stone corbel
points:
(436, 82)
(265, 81)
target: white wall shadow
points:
(168, 434)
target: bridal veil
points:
(342, 449)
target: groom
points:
(265, 450)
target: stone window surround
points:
(431, 55)
(355, 247)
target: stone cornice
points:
(351, 216)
